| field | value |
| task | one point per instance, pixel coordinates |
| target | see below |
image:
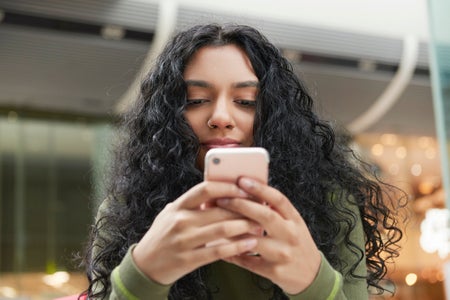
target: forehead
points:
(226, 60)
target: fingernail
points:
(249, 244)
(243, 194)
(223, 201)
(247, 183)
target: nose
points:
(222, 115)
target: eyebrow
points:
(199, 83)
(244, 84)
(204, 84)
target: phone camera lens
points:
(216, 161)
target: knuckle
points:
(201, 187)
(179, 242)
(283, 254)
(278, 271)
(224, 230)
(171, 206)
(293, 237)
(280, 200)
(181, 220)
(294, 240)
(268, 216)
(206, 190)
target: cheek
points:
(196, 124)
(247, 127)
(193, 121)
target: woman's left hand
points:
(288, 255)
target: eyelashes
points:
(194, 102)
(246, 103)
(241, 102)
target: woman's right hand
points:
(175, 243)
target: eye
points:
(193, 102)
(246, 103)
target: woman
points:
(227, 86)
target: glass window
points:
(48, 175)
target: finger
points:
(213, 215)
(269, 219)
(222, 232)
(270, 253)
(269, 195)
(209, 190)
(272, 250)
(186, 219)
(272, 222)
(206, 255)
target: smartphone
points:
(228, 164)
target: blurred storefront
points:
(47, 197)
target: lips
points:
(221, 143)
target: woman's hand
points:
(288, 255)
(175, 243)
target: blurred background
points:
(380, 69)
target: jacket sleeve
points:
(331, 284)
(127, 281)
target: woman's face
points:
(221, 98)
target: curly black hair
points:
(155, 163)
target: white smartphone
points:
(228, 164)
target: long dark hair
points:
(155, 163)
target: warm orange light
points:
(424, 141)
(416, 169)
(394, 169)
(430, 153)
(389, 139)
(377, 149)
(411, 279)
(400, 152)
(8, 292)
(440, 276)
(426, 187)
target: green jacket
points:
(233, 282)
